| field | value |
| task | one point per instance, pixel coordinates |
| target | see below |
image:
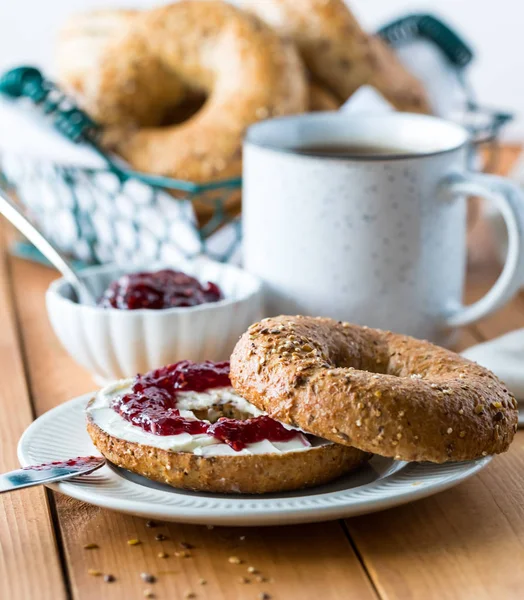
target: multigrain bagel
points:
(339, 53)
(84, 36)
(257, 474)
(244, 68)
(379, 391)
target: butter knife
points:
(57, 470)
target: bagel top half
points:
(381, 392)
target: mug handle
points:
(509, 199)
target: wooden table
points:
(464, 543)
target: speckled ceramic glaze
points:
(378, 241)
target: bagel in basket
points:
(381, 392)
(169, 427)
(137, 77)
(339, 53)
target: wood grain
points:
(27, 541)
(318, 560)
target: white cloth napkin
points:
(505, 357)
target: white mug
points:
(377, 239)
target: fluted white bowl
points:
(113, 343)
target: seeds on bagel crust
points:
(365, 386)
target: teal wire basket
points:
(112, 213)
(115, 214)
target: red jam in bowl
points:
(157, 290)
(152, 405)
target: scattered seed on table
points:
(242, 538)
(109, 578)
(160, 537)
(183, 554)
(264, 596)
(189, 595)
(90, 546)
(210, 526)
(234, 560)
(186, 545)
(94, 572)
(252, 570)
(163, 555)
(261, 579)
(149, 594)
(202, 581)
(244, 580)
(151, 524)
(134, 542)
(148, 578)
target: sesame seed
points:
(161, 537)
(148, 578)
(149, 594)
(484, 453)
(399, 436)
(109, 578)
(401, 413)
(183, 554)
(244, 580)
(461, 411)
(186, 545)
(261, 579)
(449, 430)
(162, 555)
(151, 524)
(234, 560)
(479, 409)
(358, 423)
(202, 581)
(264, 596)
(252, 570)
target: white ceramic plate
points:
(383, 483)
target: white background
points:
(493, 29)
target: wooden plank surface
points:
(318, 560)
(29, 562)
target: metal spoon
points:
(49, 472)
(13, 214)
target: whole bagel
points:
(339, 53)
(378, 391)
(244, 68)
(84, 37)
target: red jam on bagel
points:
(378, 391)
(152, 405)
(184, 425)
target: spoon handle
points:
(13, 214)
